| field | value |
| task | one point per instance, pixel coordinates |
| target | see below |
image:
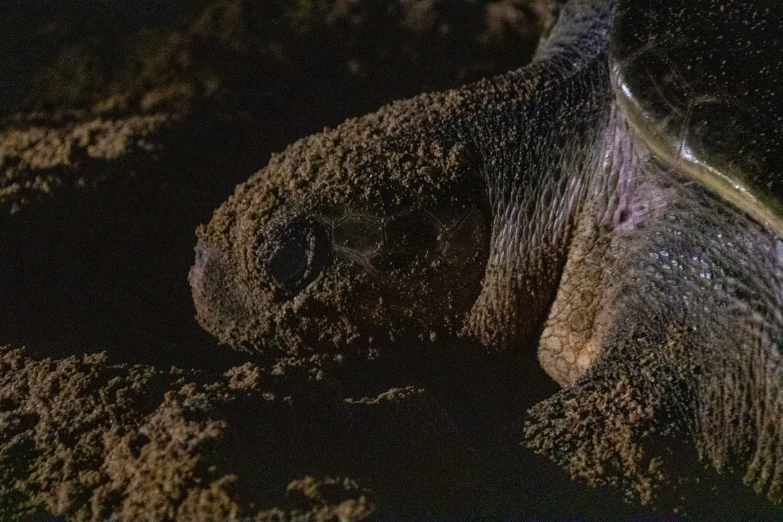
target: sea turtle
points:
(618, 201)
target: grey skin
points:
(616, 201)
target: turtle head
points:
(349, 240)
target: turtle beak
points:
(218, 303)
(198, 276)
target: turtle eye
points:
(289, 263)
(299, 252)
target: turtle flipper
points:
(668, 438)
(598, 430)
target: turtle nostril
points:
(197, 275)
(299, 252)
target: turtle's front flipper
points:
(666, 431)
(602, 430)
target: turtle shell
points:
(702, 83)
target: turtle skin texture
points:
(654, 298)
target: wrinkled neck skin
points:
(617, 199)
(539, 144)
(672, 289)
